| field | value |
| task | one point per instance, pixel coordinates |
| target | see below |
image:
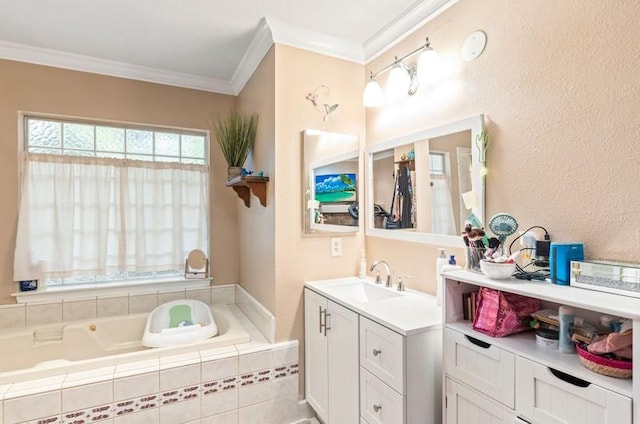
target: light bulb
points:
(372, 96)
(428, 65)
(398, 84)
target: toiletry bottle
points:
(565, 316)
(451, 266)
(441, 261)
(363, 265)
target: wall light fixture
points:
(403, 79)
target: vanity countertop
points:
(407, 312)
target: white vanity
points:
(372, 354)
(514, 380)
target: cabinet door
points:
(552, 397)
(466, 406)
(315, 354)
(342, 334)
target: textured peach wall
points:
(34, 88)
(256, 225)
(300, 258)
(558, 83)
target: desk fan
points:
(503, 225)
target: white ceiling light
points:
(398, 82)
(428, 64)
(372, 96)
(403, 79)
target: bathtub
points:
(83, 345)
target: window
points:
(442, 217)
(437, 163)
(103, 203)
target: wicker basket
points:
(605, 366)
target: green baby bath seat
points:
(179, 322)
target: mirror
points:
(424, 186)
(330, 182)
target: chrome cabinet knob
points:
(376, 352)
(377, 408)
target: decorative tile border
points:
(267, 375)
(89, 415)
(155, 400)
(56, 419)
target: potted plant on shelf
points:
(236, 134)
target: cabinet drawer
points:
(551, 397)
(465, 406)
(379, 403)
(484, 367)
(382, 353)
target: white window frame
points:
(117, 287)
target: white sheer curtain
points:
(83, 216)
(442, 217)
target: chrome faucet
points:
(388, 269)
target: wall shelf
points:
(244, 185)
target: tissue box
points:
(611, 277)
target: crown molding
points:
(269, 32)
(77, 62)
(304, 39)
(398, 29)
(257, 50)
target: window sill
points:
(91, 291)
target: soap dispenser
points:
(451, 266)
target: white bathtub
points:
(68, 347)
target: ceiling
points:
(201, 44)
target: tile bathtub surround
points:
(142, 303)
(112, 306)
(79, 310)
(224, 385)
(41, 313)
(13, 316)
(260, 316)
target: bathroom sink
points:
(364, 292)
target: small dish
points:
(497, 270)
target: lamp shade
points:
(398, 84)
(372, 96)
(428, 66)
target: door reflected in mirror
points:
(426, 185)
(330, 182)
(418, 186)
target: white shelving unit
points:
(519, 351)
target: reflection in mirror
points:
(330, 182)
(425, 186)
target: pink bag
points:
(500, 314)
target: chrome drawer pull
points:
(376, 352)
(377, 408)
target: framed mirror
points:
(330, 173)
(424, 186)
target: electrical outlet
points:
(336, 246)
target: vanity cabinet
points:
(365, 372)
(512, 379)
(331, 359)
